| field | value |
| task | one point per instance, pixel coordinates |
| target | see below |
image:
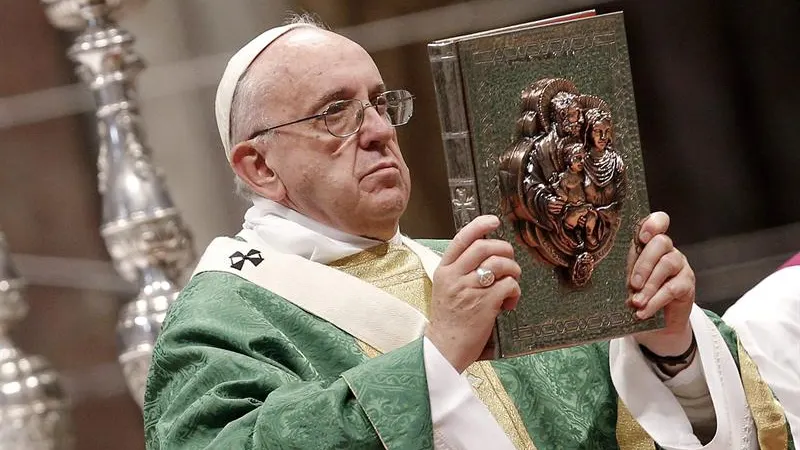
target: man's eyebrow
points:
(332, 96)
(343, 94)
(378, 89)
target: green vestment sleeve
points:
(237, 367)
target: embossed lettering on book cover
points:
(539, 128)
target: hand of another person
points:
(463, 312)
(555, 205)
(660, 278)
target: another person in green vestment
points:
(320, 326)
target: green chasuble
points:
(238, 367)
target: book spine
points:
(446, 71)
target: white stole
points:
(658, 411)
(356, 307)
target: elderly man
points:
(321, 326)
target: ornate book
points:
(539, 128)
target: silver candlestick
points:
(34, 412)
(144, 233)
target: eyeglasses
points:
(344, 117)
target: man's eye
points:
(335, 108)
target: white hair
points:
(246, 116)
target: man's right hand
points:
(463, 312)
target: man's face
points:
(570, 120)
(355, 184)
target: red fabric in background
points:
(793, 261)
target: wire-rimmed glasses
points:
(345, 117)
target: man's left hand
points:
(659, 277)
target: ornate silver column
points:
(34, 412)
(143, 231)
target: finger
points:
(510, 304)
(504, 289)
(480, 251)
(488, 352)
(653, 225)
(679, 287)
(658, 246)
(643, 231)
(500, 266)
(476, 229)
(667, 267)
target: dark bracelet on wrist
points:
(683, 358)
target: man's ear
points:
(252, 166)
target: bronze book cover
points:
(539, 128)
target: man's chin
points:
(388, 203)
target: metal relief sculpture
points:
(144, 232)
(528, 135)
(562, 181)
(464, 206)
(34, 412)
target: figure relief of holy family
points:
(562, 181)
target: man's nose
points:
(375, 130)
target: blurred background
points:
(717, 95)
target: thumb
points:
(636, 247)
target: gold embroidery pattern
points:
(491, 392)
(765, 409)
(631, 435)
(767, 413)
(393, 268)
(399, 271)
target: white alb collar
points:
(287, 231)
